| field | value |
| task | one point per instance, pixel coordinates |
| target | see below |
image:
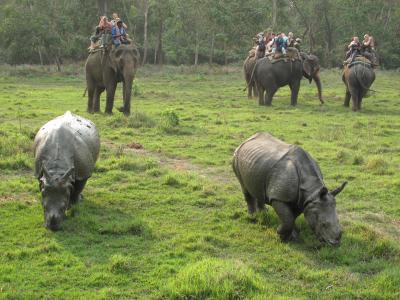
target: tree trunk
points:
(212, 49)
(126, 13)
(145, 41)
(274, 13)
(196, 50)
(102, 7)
(158, 52)
(58, 63)
(225, 54)
(40, 55)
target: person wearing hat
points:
(119, 34)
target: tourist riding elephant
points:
(104, 70)
(248, 68)
(270, 76)
(358, 77)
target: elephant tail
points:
(84, 93)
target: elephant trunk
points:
(317, 80)
(127, 90)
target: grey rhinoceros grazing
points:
(66, 150)
(289, 179)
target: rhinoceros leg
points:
(286, 230)
(261, 205)
(251, 202)
(78, 188)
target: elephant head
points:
(125, 61)
(311, 69)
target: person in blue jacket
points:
(119, 34)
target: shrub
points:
(136, 88)
(135, 120)
(215, 279)
(169, 121)
(119, 264)
(377, 165)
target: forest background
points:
(195, 31)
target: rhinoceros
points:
(287, 178)
(66, 149)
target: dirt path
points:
(219, 174)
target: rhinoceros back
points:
(69, 139)
(254, 161)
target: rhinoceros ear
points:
(339, 189)
(67, 174)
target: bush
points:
(169, 121)
(377, 165)
(136, 89)
(215, 279)
(119, 264)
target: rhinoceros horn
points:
(67, 174)
(339, 189)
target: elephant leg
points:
(294, 88)
(286, 230)
(355, 99)
(90, 99)
(249, 88)
(261, 92)
(96, 102)
(255, 91)
(269, 95)
(347, 98)
(110, 97)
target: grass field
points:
(169, 221)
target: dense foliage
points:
(195, 31)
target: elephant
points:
(104, 69)
(248, 67)
(358, 77)
(270, 76)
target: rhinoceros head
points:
(56, 192)
(320, 213)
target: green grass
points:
(168, 221)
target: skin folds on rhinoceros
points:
(287, 178)
(66, 149)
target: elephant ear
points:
(307, 67)
(115, 59)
